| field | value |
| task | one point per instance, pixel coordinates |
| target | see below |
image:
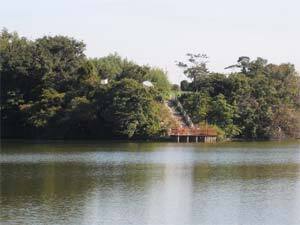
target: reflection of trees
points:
(62, 146)
(168, 181)
(59, 179)
(205, 172)
(43, 179)
(243, 191)
(57, 189)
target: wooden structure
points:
(194, 134)
(184, 130)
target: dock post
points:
(187, 139)
(178, 140)
(196, 139)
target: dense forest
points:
(51, 89)
(259, 101)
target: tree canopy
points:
(260, 101)
(50, 89)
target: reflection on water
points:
(150, 183)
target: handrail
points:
(186, 117)
(196, 131)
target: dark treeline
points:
(50, 89)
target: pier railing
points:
(194, 131)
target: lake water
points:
(150, 183)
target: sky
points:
(160, 32)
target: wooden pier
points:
(184, 130)
(194, 134)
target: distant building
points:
(104, 81)
(147, 83)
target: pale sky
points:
(159, 32)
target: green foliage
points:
(195, 68)
(175, 88)
(261, 101)
(130, 107)
(215, 110)
(113, 67)
(50, 89)
(109, 66)
(223, 115)
(221, 135)
(197, 105)
(184, 85)
(159, 78)
(42, 111)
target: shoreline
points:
(139, 140)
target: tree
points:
(175, 87)
(160, 80)
(224, 115)
(197, 106)
(184, 85)
(195, 68)
(243, 62)
(49, 88)
(108, 67)
(284, 123)
(130, 108)
(18, 81)
(60, 59)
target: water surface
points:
(150, 183)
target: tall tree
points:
(195, 67)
